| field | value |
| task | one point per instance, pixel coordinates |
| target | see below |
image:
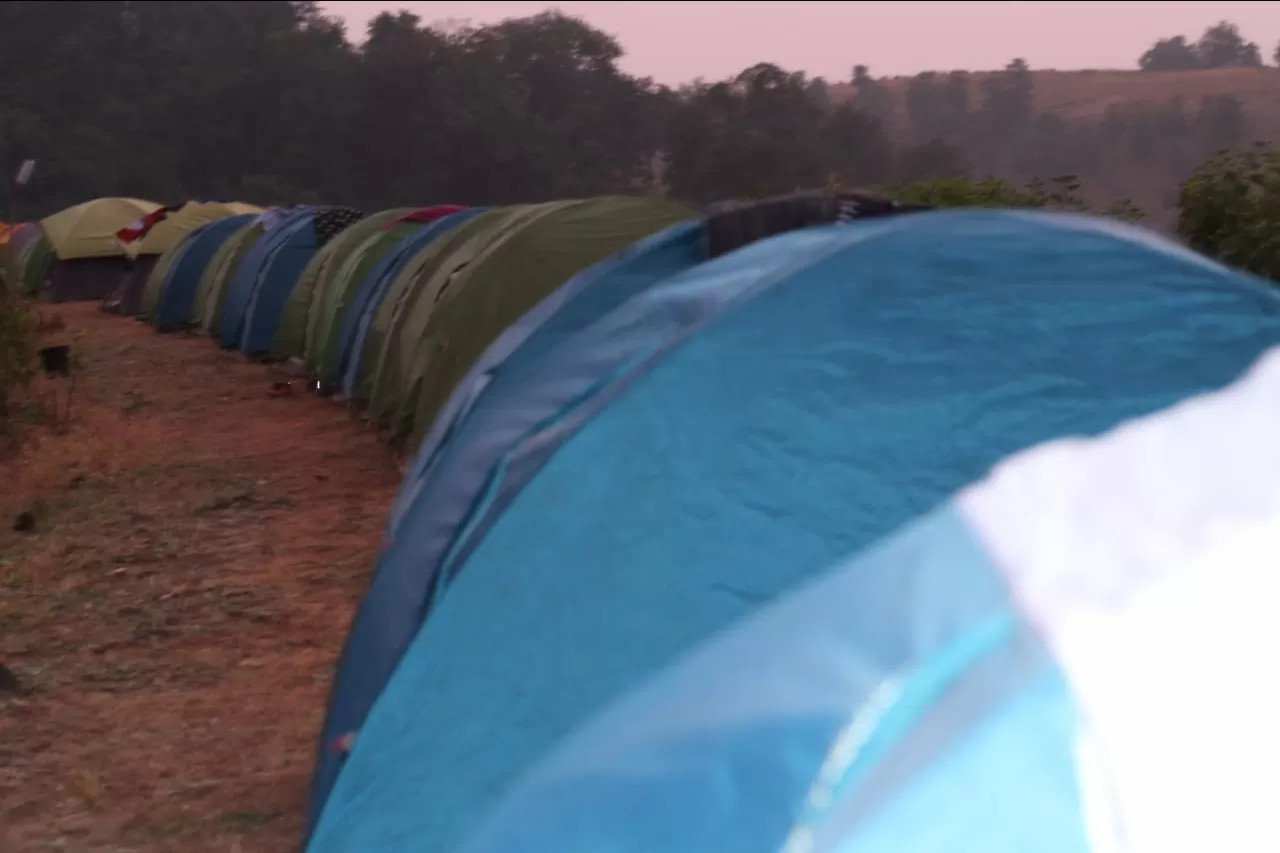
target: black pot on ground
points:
(56, 360)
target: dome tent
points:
(166, 233)
(378, 283)
(365, 666)
(387, 342)
(306, 304)
(256, 296)
(718, 439)
(465, 288)
(334, 285)
(529, 261)
(156, 247)
(171, 293)
(355, 293)
(211, 291)
(27, 257)
(996, 676)
(88, 261)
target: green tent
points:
(378, 381)
(33, 264)
(218, 274)
(449, 280)
(293, 336)
(351, 275)
(512, 275)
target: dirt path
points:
(175, 614)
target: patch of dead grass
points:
(176, 612)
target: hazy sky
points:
(675, 41)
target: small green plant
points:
(1230, 209)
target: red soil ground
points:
(175, 615)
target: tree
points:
(1008, 97)
(820, 92)
(1221, 121)
(1230, 209)
(856, 151)
(870, 95)
(921, 102)
(269, 101)
(1222, 46)
(930, 161)
(1171, 54)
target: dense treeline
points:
(270, 101)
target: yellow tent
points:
(166, 233)
(88, 230)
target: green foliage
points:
(1221, 46)
(1230, 209)
(1061, 193)
(271, 101)
(17, 334)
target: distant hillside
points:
(1087, 94)
(1147, 168)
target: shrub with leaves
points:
(1060, 193)
(17, 342)
(1230, 209)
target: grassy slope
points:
(1086, 95)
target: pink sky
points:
(678, 41)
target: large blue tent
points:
(618, 484)
(1015, 671)
(176, 304)
(365, 664)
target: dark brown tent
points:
(82, 279)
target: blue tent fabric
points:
(920, 621)
(255, 266)
(177, 298)
(403, 582)
(582, 300)
(906, 703)
(722, 436)
(355, 322)
(289, 256)
(268, 273)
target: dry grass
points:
(176, 613)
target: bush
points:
(17, 345)
(1230, 209)
(1056, 194)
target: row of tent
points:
(388, 309)
(679, 567)
(76, 254)
(818, 525)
